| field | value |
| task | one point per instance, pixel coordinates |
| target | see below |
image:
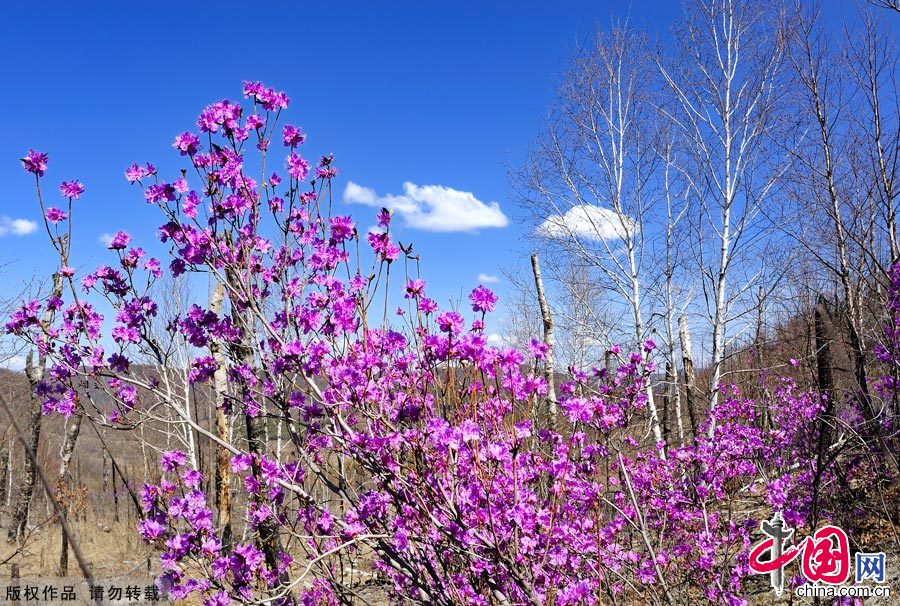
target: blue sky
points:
(446, 94)
(430, 93)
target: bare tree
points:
(844, 171)
(4, 471)
(68, 449)
(675, 212)
(547, 318)
(724, 79)
(223, 430)
(583, 318)
(690, 380)
(34, 371)
(588, 180)
(873, 60)
(821, 166)
(893, 5)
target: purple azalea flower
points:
(483, 299)
(35, 162)
(292, 136)
(55, 215)
(298, 168)
(71, 189)
(119, 241)
(151, 530)
(450, 322)
(187, 143)
(170, 460)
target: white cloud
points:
(495, 340)
(432, 207)
(105, 239)
(14, 362)
(360, 195)
(16, 227)
(488, 279)
(589, 222)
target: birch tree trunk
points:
(105, 457)
(549, 369)
(690, 380)
(268, 539)
(68, 449)
(4, 473)
(16, 531)
(589, 180)
(223, 431)
(9, 475)
(873, 63)
(726, 83)
(671, 251)
(813, 69)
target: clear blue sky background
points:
(434, 93)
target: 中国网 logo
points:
(870, 566)
(824, 560)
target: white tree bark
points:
(547, 318)
(725, 85)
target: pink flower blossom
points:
(450, 322)
(292, 136)
(71, 189)
(483, 299)
(187, 143)
(35, 162)
(119, 241)
(136, 172)
(298, 168)
(55, 215)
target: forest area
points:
(697, 348)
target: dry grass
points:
(111, 549)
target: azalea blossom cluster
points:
(414, 454)
(887, 350)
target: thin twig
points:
(73, 543)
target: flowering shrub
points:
(887, 350)
(412, 454)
